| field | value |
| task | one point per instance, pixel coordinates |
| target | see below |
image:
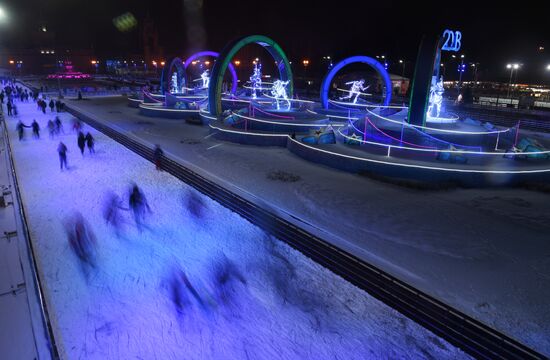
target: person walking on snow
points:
(81, 142)
(35, 129)
(62, 151)
(157, 157)
(90, 142)
(52, 105)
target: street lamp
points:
(402, 62)
(237, 62)
(3, 15)
(511, 67)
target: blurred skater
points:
(82, 241)
(111, 211)
(81, 141)
(90, 142)
(138, 204)
(58, 126)
(20, 127)
(62, 151)
(35, 129)
(51, 128)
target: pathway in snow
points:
(289, 307)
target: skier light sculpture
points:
(205, 76)
(355, 90)
(174, 88)
(256, 79)
(436, 97)
(278, 90)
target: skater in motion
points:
(58, 126)
(35, 129)
(157, 157)
(82, 241)
(194, 203)
(81, 141)
(139, 206)
(62, 151)
(20, 127)
(90, 141)
(112, 207)
(182, 291)
(51, 129)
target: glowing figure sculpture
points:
(278, 90)
(256, 79)
(355, 90)
(174, 83)
(436, 97)
(205, 76)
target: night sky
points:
(493, 33)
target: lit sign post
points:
(426, 75)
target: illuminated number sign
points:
(452, 40)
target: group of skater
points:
(130, 208)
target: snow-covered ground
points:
(483, 251)
(288, 308)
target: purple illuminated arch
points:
(215, 55)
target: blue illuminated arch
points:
(356, 59)
(215, 55)
(167, 72)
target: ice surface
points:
(479, 250)
(288, 308)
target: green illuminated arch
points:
(227, 54)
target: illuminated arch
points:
(215, 55)
(216, 79)
(356, 59)
(167, 71)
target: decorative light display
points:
(174, 88)
(205, 77)
(378, 67)
(436, 97)
(278, 90)
(256, 79)
(452, 40)
(355, 90)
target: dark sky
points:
(494, 33)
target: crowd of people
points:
(131, 208)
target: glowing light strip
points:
(151, 97)
(423, 166)
(391, 137)
(369, 105)
(440, 130)
(282, 123)
(291, 100)
(333, 116)
(143, 106)
(399, 147)
(247, 133)
(271, 114)
(355, 92)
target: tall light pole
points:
(402, 62)
(475, 66)
(511, 67)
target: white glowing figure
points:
(436, 97)
(355, 90)
(278, 90)
(256, 79)
(205, 78)
(174, 83)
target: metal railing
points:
(30, 248)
